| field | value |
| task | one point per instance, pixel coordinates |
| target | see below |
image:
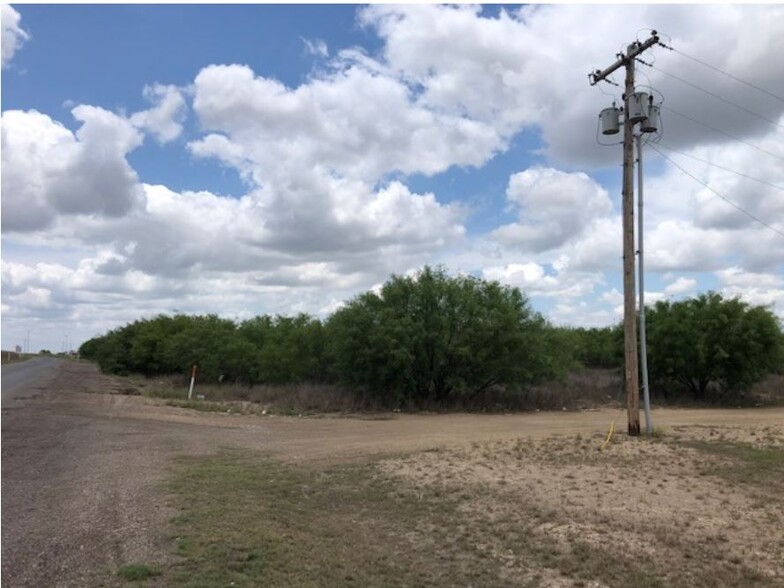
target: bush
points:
(261, 350)
(424, 339)
(710, 344)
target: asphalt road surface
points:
(81, 493)
(28, 377)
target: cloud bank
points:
(329, 210)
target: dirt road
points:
(82, 465)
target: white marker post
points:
(193, 381)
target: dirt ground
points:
(82, 467)
(652, 502)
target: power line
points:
(732, 171)
(733, 137)
(721, 71)
(727, 200)
(701, 89)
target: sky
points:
(258, 159)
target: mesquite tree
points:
(710, 343)
(428, 337)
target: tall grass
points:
(588, 388)
(767, 392)
(584, 389)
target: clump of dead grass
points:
(579, 390)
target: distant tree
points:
(288, 349)
(109, 351)
(203, 341)
(293, 351)
(599, 347)
(240, 361)
(432, 336)
(714, 342)
(147, 344)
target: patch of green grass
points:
(255, 522)
(202, 406)
(138, 572)
(744, 463)
(252, 521)
(210, 406)
(169, 393)
(587, 562)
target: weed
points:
(138, 572)
(202, 406)
(164, 392)
(744, 463)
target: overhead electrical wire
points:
(721, 71)
(732, 171)
(727, 200)
(728, 135)
(701, 89)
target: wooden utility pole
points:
(631, 371)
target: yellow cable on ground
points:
(609, 436)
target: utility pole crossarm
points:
(634, 50)
(598, 76)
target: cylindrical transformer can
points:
(651, 123)
(638, 107)
(610, 118)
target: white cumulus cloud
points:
(13, 35)
(528, 68)
(681, 285)
(330, 208)
(555, 207)
(351, 122)
(165, 118)
(316, 47)
(50, 171)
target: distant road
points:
(22, 378)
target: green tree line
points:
(429, 338)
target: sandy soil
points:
(651, 501)
(83, 464)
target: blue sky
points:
(253, 159)
(177, 42)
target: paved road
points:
(81, 488)
(28, 377)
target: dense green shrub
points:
(429, 337)
(711, 343)
(262, 350)
(437, 340)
